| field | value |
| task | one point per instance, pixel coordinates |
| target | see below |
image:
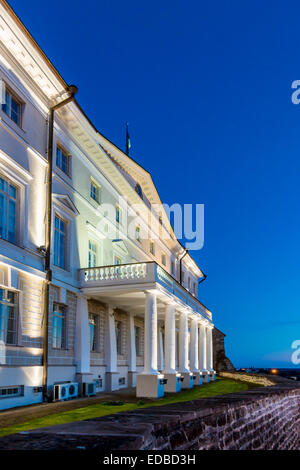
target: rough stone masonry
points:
(263, 418)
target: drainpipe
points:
(180, 265)
(72, 90)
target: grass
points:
(220, 387)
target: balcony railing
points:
(140, 273)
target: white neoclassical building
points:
(96, 292)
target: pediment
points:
(67, 203)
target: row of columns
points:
(201, 348)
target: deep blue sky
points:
(206, 88)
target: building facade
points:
(107, 295)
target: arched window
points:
(139, 190)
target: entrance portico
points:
(146, 292)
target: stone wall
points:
(263, 418)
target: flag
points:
(128, 144)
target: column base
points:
(198, 377)
(206, 376)
(131, 378)
(212, 375)
(111, 381)
(173, 384)
(188, 381)
(150, 386)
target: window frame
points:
(68, 156)
(96, 340)
(16, 320)
(66, 233)
(64, 327)
(97, 187)
(13, 96)
(137, 339)
(7, 199)
(138, 233)
(92, 253)
(152, 245)
(119, 337)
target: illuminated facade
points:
(117, 311)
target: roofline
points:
(23, 28)
(15, 17)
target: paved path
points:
(26, 413)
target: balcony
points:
(139, 276)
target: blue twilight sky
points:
(206, 88)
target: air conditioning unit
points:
(65, 391)
(89, 389)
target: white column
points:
(82, 336)
(160, 344)
(150, 332)
(170, 340)
(110, 345)
(183, 343)
(194, 364)
(209, 345)
(131, 344)
(202, 347)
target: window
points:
(119, 337)
(8, 316)
(173, 268)
(194, 288)
(152, 247)
(95, 191)
(94, 331)
(8, 210)
(163, 259)
(60, 234)
(59, 327)
(160, 219)
(118, 214)
(12, 391)
(139, 190)
(138, 233)
(12, 106)
(118, 260)
(92, 254)
(62, 160)
(137, 334)
(189, 283)
(182, 276)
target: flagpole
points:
(127, 140)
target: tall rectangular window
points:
(94, 331)
(92, 254)
(60, 234)
(138, 233)
(119, 337)
(95, 191)
(62, 160)
(173, 268)
(163, 259)
(8, 210)
(118, 214)
(12, 106)
(137, 334)
(8, 316)
(59, 327)
(152, 247)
